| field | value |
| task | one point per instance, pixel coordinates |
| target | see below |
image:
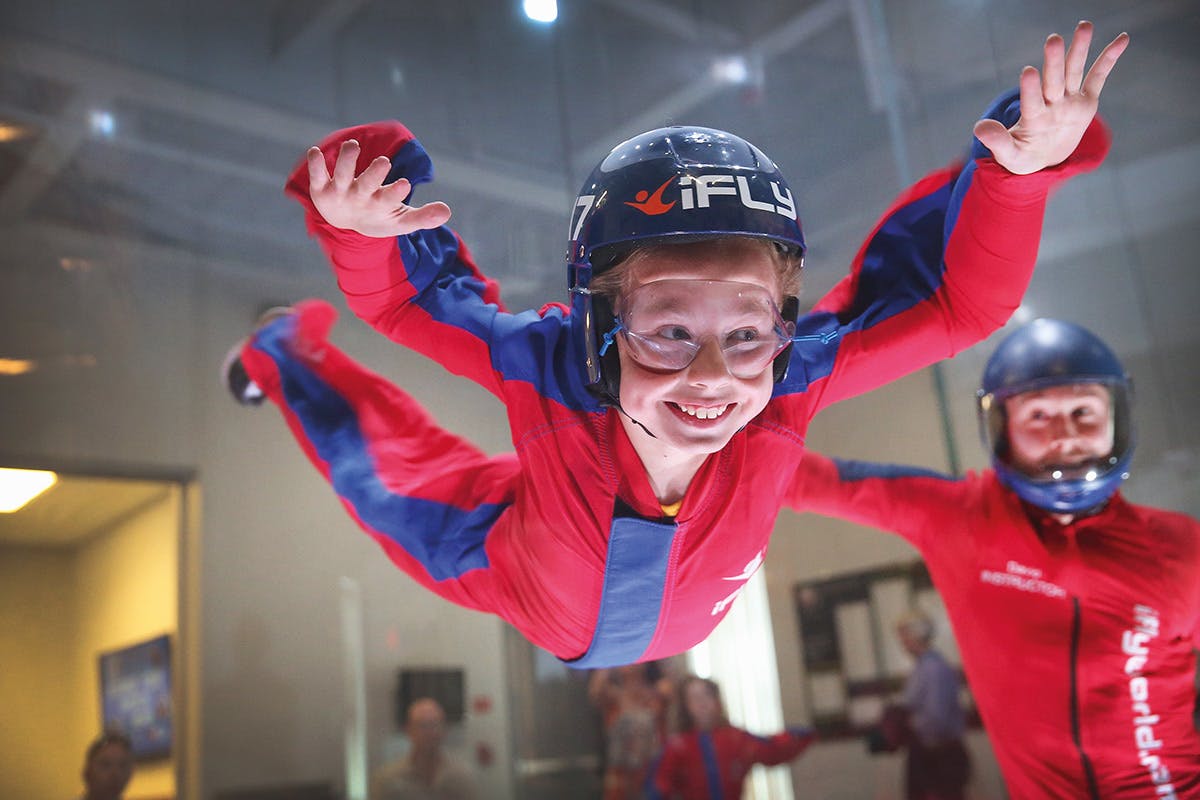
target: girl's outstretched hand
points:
(1056, 106)
(363, 203)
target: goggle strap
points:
(610, 337)
(823, 338)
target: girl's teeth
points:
(701, 412)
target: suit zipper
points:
(1076, 734)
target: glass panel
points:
(557, 739)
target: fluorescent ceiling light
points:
(19, 486)
(102, 123)
(11, 132)
(541, 10)
(731, 69)
(16, 366)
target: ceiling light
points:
(11, 132)
(731, 69)
(72, 264)
(102, 123)
(19, 486)
(17, 366)
(541, 10)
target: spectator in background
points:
(937, 767)
(107, 766)
(709, 758)
(633, 702)
(426, 771)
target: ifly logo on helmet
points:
(652, 204)
(697, 191)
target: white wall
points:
(273, 540)
(39, 756)
(127, 585)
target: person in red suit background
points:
(708, 758)
(1077, 613)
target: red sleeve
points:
(894, 317)
(366, 265)
(777, 749)
(668, 776)
(424, 290)
(909, 501)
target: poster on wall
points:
(852, 670)
(135, 695)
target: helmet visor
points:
(1056, 432)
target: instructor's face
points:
(1059, 427)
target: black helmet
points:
(679, 182)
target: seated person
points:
(426, 771)
(107, 766)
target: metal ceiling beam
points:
(867, 37)
(781, 39)
(48, 157)
(673, 21)
(29, 240)
(94, 78)
(1004, 65)
(297, 26)
(800, 28)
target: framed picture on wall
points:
(853, 662)
(135, 695)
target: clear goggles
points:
(665, 324)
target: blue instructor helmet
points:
(1044, 353)
(679, 182)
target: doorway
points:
(90, 598)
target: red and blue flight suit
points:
(564, 538)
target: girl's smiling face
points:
(714, 297)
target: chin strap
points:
(1037, 512)
(617, 406)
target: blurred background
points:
(143, 148)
